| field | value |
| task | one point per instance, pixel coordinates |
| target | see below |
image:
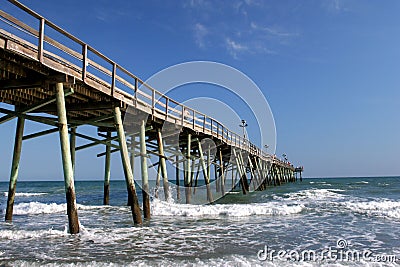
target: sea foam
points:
(384, 208)
(314, 194)
(160, 208)
(23, 234)
(23, 194)
(31, 208)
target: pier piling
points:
(133, 199)
(145, 175)
(67, 161)
(206, 171)
(14, 168)
(163, 164)
(188, 169)
(107, 171)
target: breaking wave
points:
(160, 208)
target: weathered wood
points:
(34, 107)
(222, 172)
(241, 171)
(187, 169)
(41, 39)
(196, 178)
(206, 173)
(14, 168)
(145, 176)
(38, 134)
(163, 164)
(72, 140)
(72, 210)
(107, 172)
(136, 214)
(158, 180)
(22, 83)
(177, 177)
(132, 159)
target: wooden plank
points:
(19, 23)
(2, 43)
(20, 49)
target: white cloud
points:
(234, 47)
(335, 6)
(200, 32)
(253, 2)
(196, 3)
(275, 31)
(236, 27)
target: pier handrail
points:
(153, 101)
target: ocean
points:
(331, 222)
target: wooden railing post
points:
(136, 90)
(194, 119)
(84, 61)
(166, 108)
(153, 101)
(41, 40)
(114, 73)
(183, 115)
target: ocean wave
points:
(23, 234)
(23, 194)
(384, 208)
(314, 194)
(362, 182)
(31, 208)
(38, 208)
(160, 208)
(226, 261)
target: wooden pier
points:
(51, 82)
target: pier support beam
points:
(177, 178)
(72, 141)
(187, 170)
(206, 172)
(137, 218)
(67, 161)
(132, 155)
(221, 172)
(163, 164)
(145, 175)
(107, 172)
(14, 168)
(242, 171)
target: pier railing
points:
(78, 59)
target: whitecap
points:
(383, 208)
(314, 194)
(160, 208)
(38, 208)
(24, 234)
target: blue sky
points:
(329, 70)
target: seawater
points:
(309, 215)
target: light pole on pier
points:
(243, 125)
